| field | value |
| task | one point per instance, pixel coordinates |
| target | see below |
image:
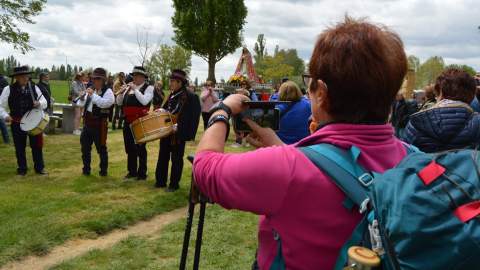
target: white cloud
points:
(103, 33)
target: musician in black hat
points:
(135, 100)
(99, 99)
(20, 97)
(185, 109)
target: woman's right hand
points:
(262, 137)
(236, 103)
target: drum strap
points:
(32, 91)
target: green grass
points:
(40, 212)
(229, 242)
(60, 90)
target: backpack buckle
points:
(364, 206)
(366, 179)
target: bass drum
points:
(34, 122)
(151, 127)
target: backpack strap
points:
(411, 148)
(341, 166)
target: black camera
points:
(264, 113)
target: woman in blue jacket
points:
(293, 116)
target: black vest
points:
(132, 101)
(20, 101)
(98, 112)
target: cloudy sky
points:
(103, 32)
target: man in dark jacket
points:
(185, 109)
(451, 123)
(44, 85)
(402, 109)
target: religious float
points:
(245, 71)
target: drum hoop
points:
(146, 134)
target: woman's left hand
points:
(236, 103)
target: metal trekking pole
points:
(201, 221)
(194, 198)
(188, 227)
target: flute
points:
(127, 88)
(82, 97)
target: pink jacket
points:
(292, 196)
(208, 99)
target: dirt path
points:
(75, 248)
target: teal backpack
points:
(422, 214)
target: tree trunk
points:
(211, 70)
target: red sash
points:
(133, 113)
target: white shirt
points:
(4, 101)
(103, 102)
(144, 99)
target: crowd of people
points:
(355, 73)
(297, 203)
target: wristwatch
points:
(220, 118)
(221, 106)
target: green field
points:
(60, 90)
(41, 212)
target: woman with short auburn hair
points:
(356, 69)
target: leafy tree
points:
(13, 12)
(7, 65)
(62, 73)
(470, 70)
(167, 58)
(274, 68)
(260, 48)
(210, 28)
(429, 71)
(284, 63)
(413, 63)
(69, 72)
(292, 59)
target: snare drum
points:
(151, 127)
(34, 122)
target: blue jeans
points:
(4, 130)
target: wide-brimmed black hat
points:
(178, 74)
(23, 70)
(139, 70)
(99, 73)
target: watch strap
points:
(220, 118)
(223, 107)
